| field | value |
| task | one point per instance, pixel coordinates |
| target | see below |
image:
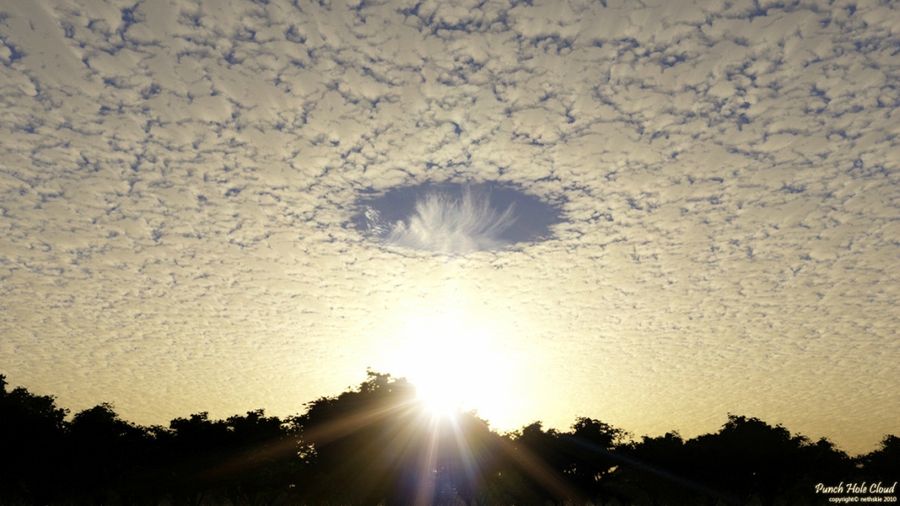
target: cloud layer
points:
(178, 181)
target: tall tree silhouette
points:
(540, 461)
(359, 440)
(884, 463)
(370, 445)
(755, 461)
(193, 446)
(378, 445)
(31, 445)
(262, 465)
(653, 472)
(104, 453)
(591, 449)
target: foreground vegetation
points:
(376, 445)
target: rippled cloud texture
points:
(178, 182)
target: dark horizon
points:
(69, 414)
(367, 445)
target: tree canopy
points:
(375, 444)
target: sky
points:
(706, 193)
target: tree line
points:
(374, 444)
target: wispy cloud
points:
(173, 212)
(450, 223)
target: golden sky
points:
(180, 188)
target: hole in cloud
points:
(453, 218)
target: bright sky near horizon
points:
(179, 184)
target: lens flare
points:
(456, 362)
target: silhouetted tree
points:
(105, 452)
(375, 444)
(193, 446)
(591, 454)
(378, 445)
(651, 472)
(753, 460)
(468, 460)
(538, 463)
(815, 462)
(262, 462)
(366, 444)
(883, 463)
(32, 432)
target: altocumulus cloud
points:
(718, 179)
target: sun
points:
(455, 360)
(438, 397)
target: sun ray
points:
(455, 358)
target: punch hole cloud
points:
(175, 180)
(456, 219)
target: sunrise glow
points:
(456, 363)
(410, 236)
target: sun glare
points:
(438, 398)
(456, 363)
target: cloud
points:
(453, 224)
(674, 136)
